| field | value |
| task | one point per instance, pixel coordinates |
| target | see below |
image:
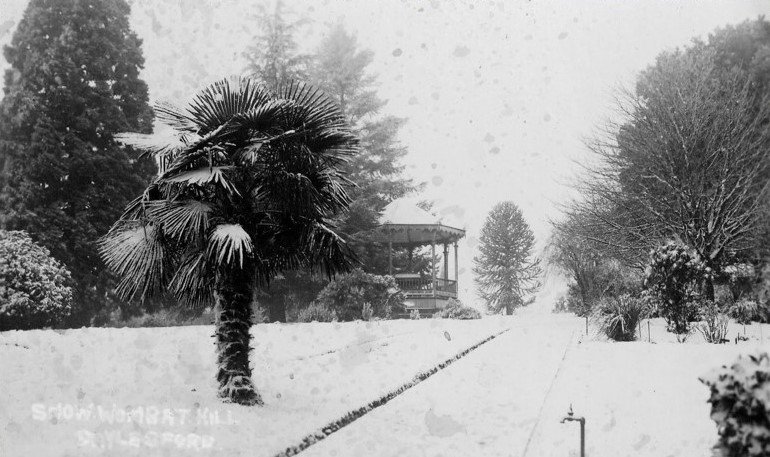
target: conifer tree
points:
(273, 58)
(73, 83)
(506, 273)
(339, 66)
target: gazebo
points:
(405, 224)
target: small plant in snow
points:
(456, 310)
(740, 401)
(367, 312)
(317, 312)
(619, 316)
(714, 325)
(744, 311)
(414, 314)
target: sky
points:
(498, 96)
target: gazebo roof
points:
(403, 222)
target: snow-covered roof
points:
(405, 211)
(404, 222)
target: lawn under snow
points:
(640, 399)
(69, 392)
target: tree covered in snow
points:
(73, 83)
(688, 155)
(592, 273)
(34, 287)
(505, 270)
(248, 187)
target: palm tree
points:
(247, 187)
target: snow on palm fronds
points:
(203, 176)
(163, 145)
(227, 242)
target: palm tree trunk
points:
(233, 296)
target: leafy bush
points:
(744, 311)
(606, 278)
(348, 294)
(34, 291)
(317, 312)
(740, 401)
(714, 325)
(619, 316)
(414, 314)
(456, 310)
(672, 276)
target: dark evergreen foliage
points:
(73, 83)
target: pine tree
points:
(273, 58)
(73, 83)
(340, 68)
(505, 270)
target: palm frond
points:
(137, 254)
(192, 284)
(221, 101)
(184, 221)
(204, 176)
(175, 117)
(227, 243)
(324, 248)
(261, 118)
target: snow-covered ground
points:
(639, 399)
(486, 404)
(68, 393)
(309, 374)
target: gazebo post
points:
(446, 262)
(457, 269)
(433, 265)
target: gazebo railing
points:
(423, 287)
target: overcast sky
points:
(498, 95)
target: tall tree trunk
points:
(233, 296)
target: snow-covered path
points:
(485, 404)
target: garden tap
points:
(571, 417)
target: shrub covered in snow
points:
(34, 289)
(619, 316)
(456, 310)
(672, 277)
(740, 401)
(348, 293)
(317, 312)
(414, 314)
(714, 325)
